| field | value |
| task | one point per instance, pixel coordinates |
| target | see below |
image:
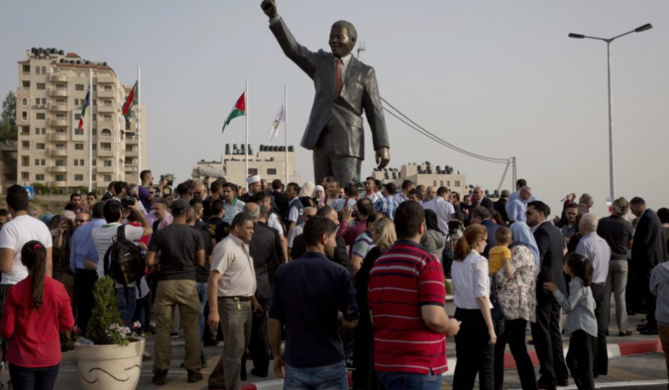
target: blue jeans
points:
(127, 308)
(409, 381)
(42, 378)
(322, 378)
(202, 294)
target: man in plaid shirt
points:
(351, 197)
(387, 204)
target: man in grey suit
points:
(345, 88)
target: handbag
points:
(497, 312)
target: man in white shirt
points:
(103, 238)
(232, 287)
(441, 207)
(597, 250)
(14, 235)
(371, 191)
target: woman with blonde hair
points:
(364, 377)
(474, 344)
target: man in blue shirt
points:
(84, 263)
(313, 297)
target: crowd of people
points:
(321, 278)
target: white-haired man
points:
(597, 250)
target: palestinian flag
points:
(87, 102)
(127, 106)
(238, 110)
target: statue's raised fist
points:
(269, 8)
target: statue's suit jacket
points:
(344, 113)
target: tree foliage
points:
(105, 315)
(8, 128)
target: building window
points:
(60, 162)
(94, 177)
(435, 183)
(25, 144)
(39, 177)
(448, 183)
(24, 102)
(106, 146)
(43, 162)
(43, 131)
(457, 183)
(24, 115)
(81, 162)
(25, 176)
(271, 171)
(95, 162)
(95, 131)
(106, 133)
(253, 171)
(108, 163)
(107, 117)
(128, 161)
(37, 130)
(40, 86)
(108, 88)
(25, 161)
(76, 162)
(39, 146)
(79, 87)
(40, 115)
(25, 84)
(78, 146)
(26, 69)
(107, 178)
(79, 131)
(37, 162)
(95, 117)
(60, 146)
(441, 183)
(44, 70)
(76, 102)
(78, 177)
(60, 177)
(37, 70)
(108, 103)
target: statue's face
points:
(340, 43)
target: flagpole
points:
(246, 97)
(285, 129)
(90, 130)
(139, 124)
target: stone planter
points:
(115, 367)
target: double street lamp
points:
(608, 55)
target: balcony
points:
(58, 78)
(58, 122)
(58, 152)
(131, 153)
(57, 137)
(106, 94)
(57, 107)
(106, 109)
(57, 169)
(58, 92)
(105, 152)
(105, 169)
(105, 80)
(131, 141)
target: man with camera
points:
(103, 239)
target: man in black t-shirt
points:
(313, 297)
(181, 251)
(618, 233)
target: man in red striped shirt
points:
(406, 299)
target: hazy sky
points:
(498, 78)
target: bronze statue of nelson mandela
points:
(345, 87)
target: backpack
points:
(123, 261)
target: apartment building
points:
(270, 163)
(52, 150)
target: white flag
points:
(280, 118)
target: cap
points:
(505, 193)
(252, 179)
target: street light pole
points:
(608, 41)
